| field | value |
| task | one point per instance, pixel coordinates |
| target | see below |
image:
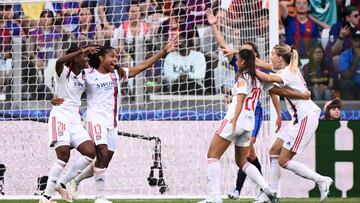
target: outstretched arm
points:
(150, 61)
(290, 93)
(268, 78)
(263, 65)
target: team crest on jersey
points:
(240, 83)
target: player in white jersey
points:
(65, 128)
(237, 127)
(294, 138)
(102, 90)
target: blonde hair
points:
(290, 56)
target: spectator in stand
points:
(8, 30)
(356, 3)
(87, 31)
(154, 20)
(290, 7)
(131, 32)
(349, 68)
(301, 32)
(68, 14)
(184, 70)
(196, 10)
(323, 12)
(111, 14)
(45, 44)
(177, 22)
(318, 74)
(332, 110)
(340, 33)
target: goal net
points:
(168, 113)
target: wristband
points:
(340, 38)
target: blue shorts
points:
(258, 120)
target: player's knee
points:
(241, 163)
(212, 155)
(89, 152)
(63, 153)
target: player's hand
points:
(91, 49)
(278, 124)
(228, 52)
(233, 125)
(210, 17)
(307, 95)
(57, 101)
(172, 44)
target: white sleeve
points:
(63, 74)
(241, 87)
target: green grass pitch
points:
(193, 201)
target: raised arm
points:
(217, 34)
(283, 9)
(150, 61)
(268, 78)
(68, 57)
(290, 93)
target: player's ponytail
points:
(294, 61)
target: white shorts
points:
(297, 137)
(100, 134)
(240, 138)
(62, 132)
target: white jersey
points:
(298, 108)
(244, 85)
(69, 87)
(103, 97)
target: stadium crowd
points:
(327, 35)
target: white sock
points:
(86, 173)
(54, 174)
(302, 170)
(214, 178)
(255, 175)
(274, 177)
(99, 176)
(76, 169)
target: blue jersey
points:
(258, 119)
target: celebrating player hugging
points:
(294, 138)
(102, 82)
(236, 127)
